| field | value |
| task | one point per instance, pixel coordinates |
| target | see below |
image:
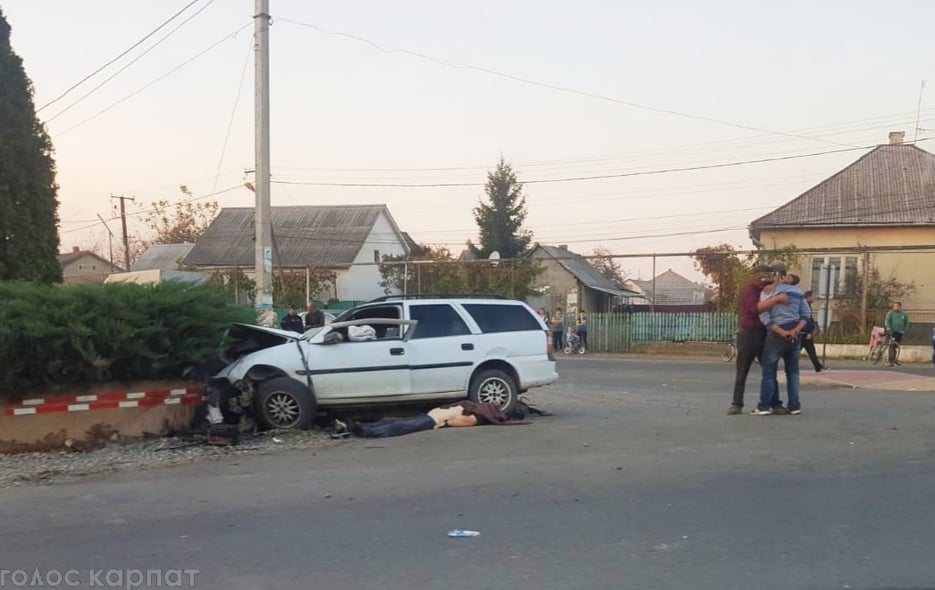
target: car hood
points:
(244, 339)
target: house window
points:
(846, 270)
(376, 256)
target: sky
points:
(424, 92)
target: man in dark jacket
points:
(808, 335)
(315, 318)
(293, 321)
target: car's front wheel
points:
(495, 387)
(285, 403)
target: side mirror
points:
(331, 338)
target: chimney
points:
(897, 137)
(563, 247)
(75, 249)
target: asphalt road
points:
(638, 480)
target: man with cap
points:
(752, 333)
(784, 323)
(293, 321)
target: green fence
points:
(616, 332)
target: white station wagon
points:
(392, 350)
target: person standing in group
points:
(558, 329)
(897, 324)
(581, 329)
(292, 321)
(544, 315)
(752, 333)
(808, 335)
(784, 323)
(314, 317)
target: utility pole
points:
(263, 244)
(110, 241)
(123, 221)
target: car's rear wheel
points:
(495, 387)
(285, 403)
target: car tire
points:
(284, 403)
(494, 386)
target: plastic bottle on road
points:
(462, 533)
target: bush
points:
(55, 336)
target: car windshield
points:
(312, 332)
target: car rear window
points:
(502, 318)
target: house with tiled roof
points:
(670, 289)
(881, 203)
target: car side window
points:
(437, 321)
(502, 318)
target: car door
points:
(359, 372)
(441, 350)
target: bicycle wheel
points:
(729, 353)
(877, 355)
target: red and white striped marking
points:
(106, 401)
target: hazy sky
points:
(843, 73)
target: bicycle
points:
(882, 347)
(730, 352)
(573, 343)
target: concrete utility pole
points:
(123, 221)
(264, 230)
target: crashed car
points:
(390, 351)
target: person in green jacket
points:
(896, 323)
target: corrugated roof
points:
(891, 185)
(328, 236)
(162, 257)
(584, 271)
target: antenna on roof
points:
(915, 137)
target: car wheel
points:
(495, 387)
(285, 403)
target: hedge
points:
(55, 336)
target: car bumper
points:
(535, 372)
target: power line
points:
(123, 53)
(151, 210)
(390, 49)
(579, 178)
(128, 64)
(230, 123)
(155, 81)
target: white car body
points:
(430, 350)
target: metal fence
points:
(609, 332)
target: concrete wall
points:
(362, 283)
(126, 421)
(918, 267)
(560, 284)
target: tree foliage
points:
(179, 222)
(606, 265)
(729, 271)
(881, 293)
(123, 332)
(500, 219)
(28, 193)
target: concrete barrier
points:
(153, 407)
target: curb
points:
(106, 401)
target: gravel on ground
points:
(28, 469)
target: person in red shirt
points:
(752, 332)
